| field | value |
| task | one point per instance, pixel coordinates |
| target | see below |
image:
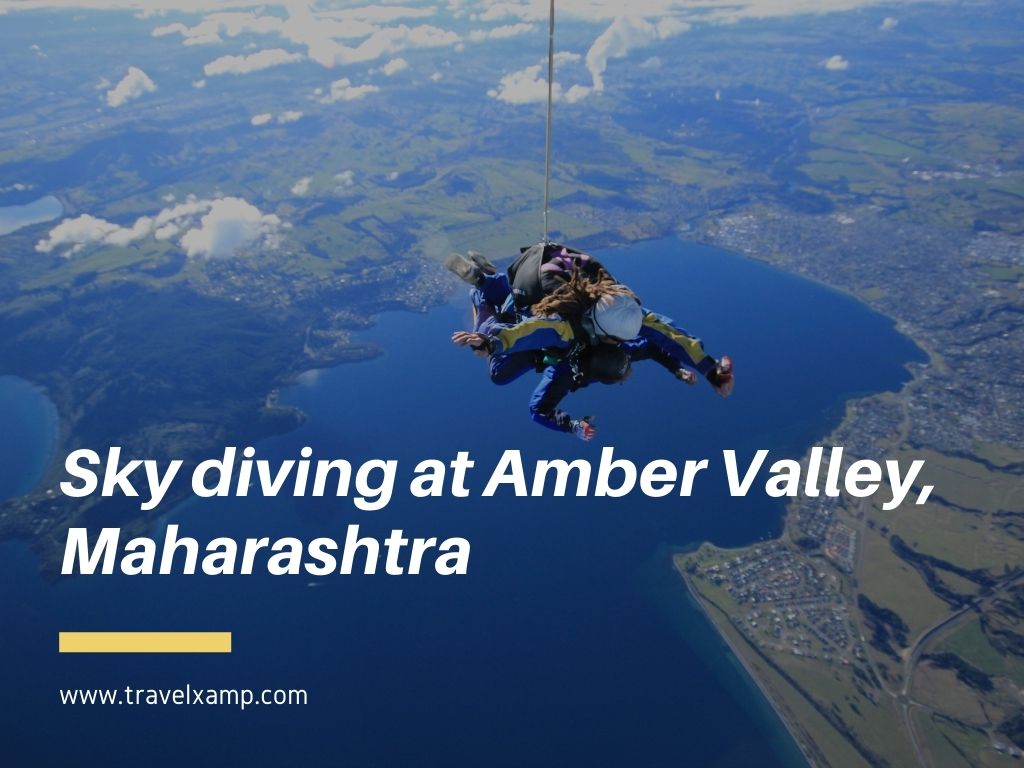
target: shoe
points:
(721, 376)
(481, 261)
(465, 269)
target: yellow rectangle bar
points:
(144, 642)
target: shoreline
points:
(913, 369)
(790, 726)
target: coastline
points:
(847, 422)
(784, 717)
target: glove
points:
(584, 428)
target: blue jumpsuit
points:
(557, 381)
(520, 347)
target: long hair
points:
(579, 294)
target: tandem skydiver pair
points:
(559, 312)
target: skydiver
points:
(589, 329)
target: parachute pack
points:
(539, 271)
(543, 268)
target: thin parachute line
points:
(547, 138)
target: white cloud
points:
(510, 30)
(625, 34)
(303, 24)
(888, 23)
(85, 230)
(380, 41)
(380, 13)
(325, 34)
(492, 10)
(645, 21)
(522, 87)
(210, 39)
(336, 37)
(346, 180)
(281, 119)
(502, 32)
(166, 232)
(394, 66)
(577, 92)
(835, 63)
(437, 77)
(343, 90)
(529, 85)
(499, 11)
(240, 65)
(301, 187)
(760, 9)
(197, 84)
(170, 29)
(192, 206)
(168, 198)
(229, 24)
(77, 232)
(124, 235)
(132, 86)
(231, 225)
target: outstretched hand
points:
(584, 428)
(685, 376)
(475, 341)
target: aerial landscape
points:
(200, 208)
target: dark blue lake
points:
(29, 421)
(570, 642)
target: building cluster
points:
(813, 516)
(816, 524)
(870, 428)
(955, 291)
(788, 605)
(841, 546)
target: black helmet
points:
(607, 364)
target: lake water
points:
(15, 217)
(29, 422)
(569, 642)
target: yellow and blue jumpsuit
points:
(521, 347)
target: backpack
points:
(539, 271)
(543, 268)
